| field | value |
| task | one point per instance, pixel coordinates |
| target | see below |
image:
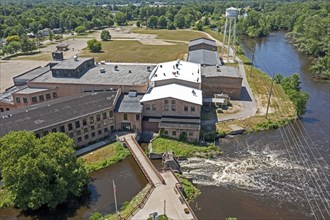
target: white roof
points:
(175, 91)
(182, 70)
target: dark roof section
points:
(23, 78)
(54, 112)
(71, 64)
(204, 57)
(113, 74)
(129, 104)
(180, 123)
(216, 71)
(202, 40)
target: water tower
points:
(231, 15)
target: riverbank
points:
(104, 157)
(281, 109)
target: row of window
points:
(34, 99)
(173, 107)
(77, 124)
(174, 133)
(137, 117)
(2, 109)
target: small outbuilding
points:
(62, 47)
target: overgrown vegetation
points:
(190, 191)
(183, 149)
(105, 156)
(291, 86)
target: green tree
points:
(120, 18)
(27, 45)
(153, 22)
(199, 25)
(138, 23)
(80, 29)
(42, 171)
(179, 21)
(105, 35)
(94, 45)
(10, 39)
(13, 47)
(162, 22)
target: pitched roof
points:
(54, 112)
(175, 91)
(181, 70)
(202, 40)
(129, 104)
(206, 57)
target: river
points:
(278, 174)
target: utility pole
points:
(164, 207)
(270, 94)
(254, 48)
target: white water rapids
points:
(266, 173)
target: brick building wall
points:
(222, 84)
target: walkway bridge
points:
(165, 196)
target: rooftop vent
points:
(161, 66)
(218, 68)
(164, 74)
(116, 68)
(193, 92)
(129, 71)
(75, 57)
(102, 70)
(148, 68)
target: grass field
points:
(180, 35)
(134, 51)
(104, 156)
(40, 56)
(160, 145)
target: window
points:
(93, 134)
(18, 100)
(54, 95)
(92, 128)
(104, 115)
(192, 108)
(62, 128)
(71, 135)
(165, 107)
(111, 114)
(47, 96)
(185, 108)
(86, 137)
(173, 102)
(54, 130)
(34, 99)
(154, 107)
(173, 107)
(112, 128)
(84, 122)
(98, 117)
(166, 101)
(165, 132)
(78, 132)
(77, 123)
(45, 133)
(1, 110)
(125, 116)
(91, 120)
(70, 126)
(147, 107)
(37, 135)
(41, 98)
(174, 133)
(190, 133)
(99, 132)
(137, 117)
(105, 130)
(25, 100)
(85, 130)
(79, 139)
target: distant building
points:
(62, 47)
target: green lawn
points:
(160, 145)
(134, 51)
(180, 35)
(104, 156)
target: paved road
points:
(163, 194)
(247, 98)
